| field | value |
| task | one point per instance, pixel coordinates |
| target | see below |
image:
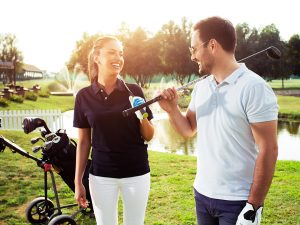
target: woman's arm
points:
(146, 129)
(82, 154)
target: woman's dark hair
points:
(219, 29)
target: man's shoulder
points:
(251, 78)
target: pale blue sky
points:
(47, 30)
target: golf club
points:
(272, 52)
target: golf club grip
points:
(127, 112)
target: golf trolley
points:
(58, 154)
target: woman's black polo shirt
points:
(118, 149)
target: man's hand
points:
(249, 216)
(169, 102)
(136, 101)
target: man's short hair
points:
(219, 29)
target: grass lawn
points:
(64, 103)
(288, 84)
(289, 107)
(288, 104)
(171, 198)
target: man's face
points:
(200, 53)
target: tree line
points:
(166, 52)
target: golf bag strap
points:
(130, 92)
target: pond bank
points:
(292, 92)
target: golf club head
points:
(273, 52)
(31, 123)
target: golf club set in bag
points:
(59, 154)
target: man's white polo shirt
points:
(226, 151)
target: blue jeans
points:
(215, 211)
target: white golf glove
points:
(249, 216)
(136, 101)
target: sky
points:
(47, 30)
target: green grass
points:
(29, 83)
(171, 197)
(64, 103)
(288, 84)
(289, 107)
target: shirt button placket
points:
(217, 96)
(214, 102)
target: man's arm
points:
(185, 125)
(265, 135)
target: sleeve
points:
(80, 120)
(137, 90)
(261, 104)
(192, 106)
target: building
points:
(27, 72)
(30, 72)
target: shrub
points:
(44, 95)
(184, 101)
(31, 96)
(3, 102)
(55, 86)
(16, 98)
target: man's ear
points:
(213, 43)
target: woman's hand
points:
(80, 195)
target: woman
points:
(119, 153)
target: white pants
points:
(105, 194)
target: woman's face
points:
(110, 59)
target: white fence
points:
(12, 119)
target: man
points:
(234, 113)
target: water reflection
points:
(291, 127)
(167, 140)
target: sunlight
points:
(47, 31)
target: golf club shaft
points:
(127, 112)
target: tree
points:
(251, 41)
(80, 55)
(293, 50)
(175, 55)
(10, 53)
(243, 33)
(141, 56)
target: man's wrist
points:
(255, 205)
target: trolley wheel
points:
(39, 210)
(62, 220)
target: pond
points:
(167, 140)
